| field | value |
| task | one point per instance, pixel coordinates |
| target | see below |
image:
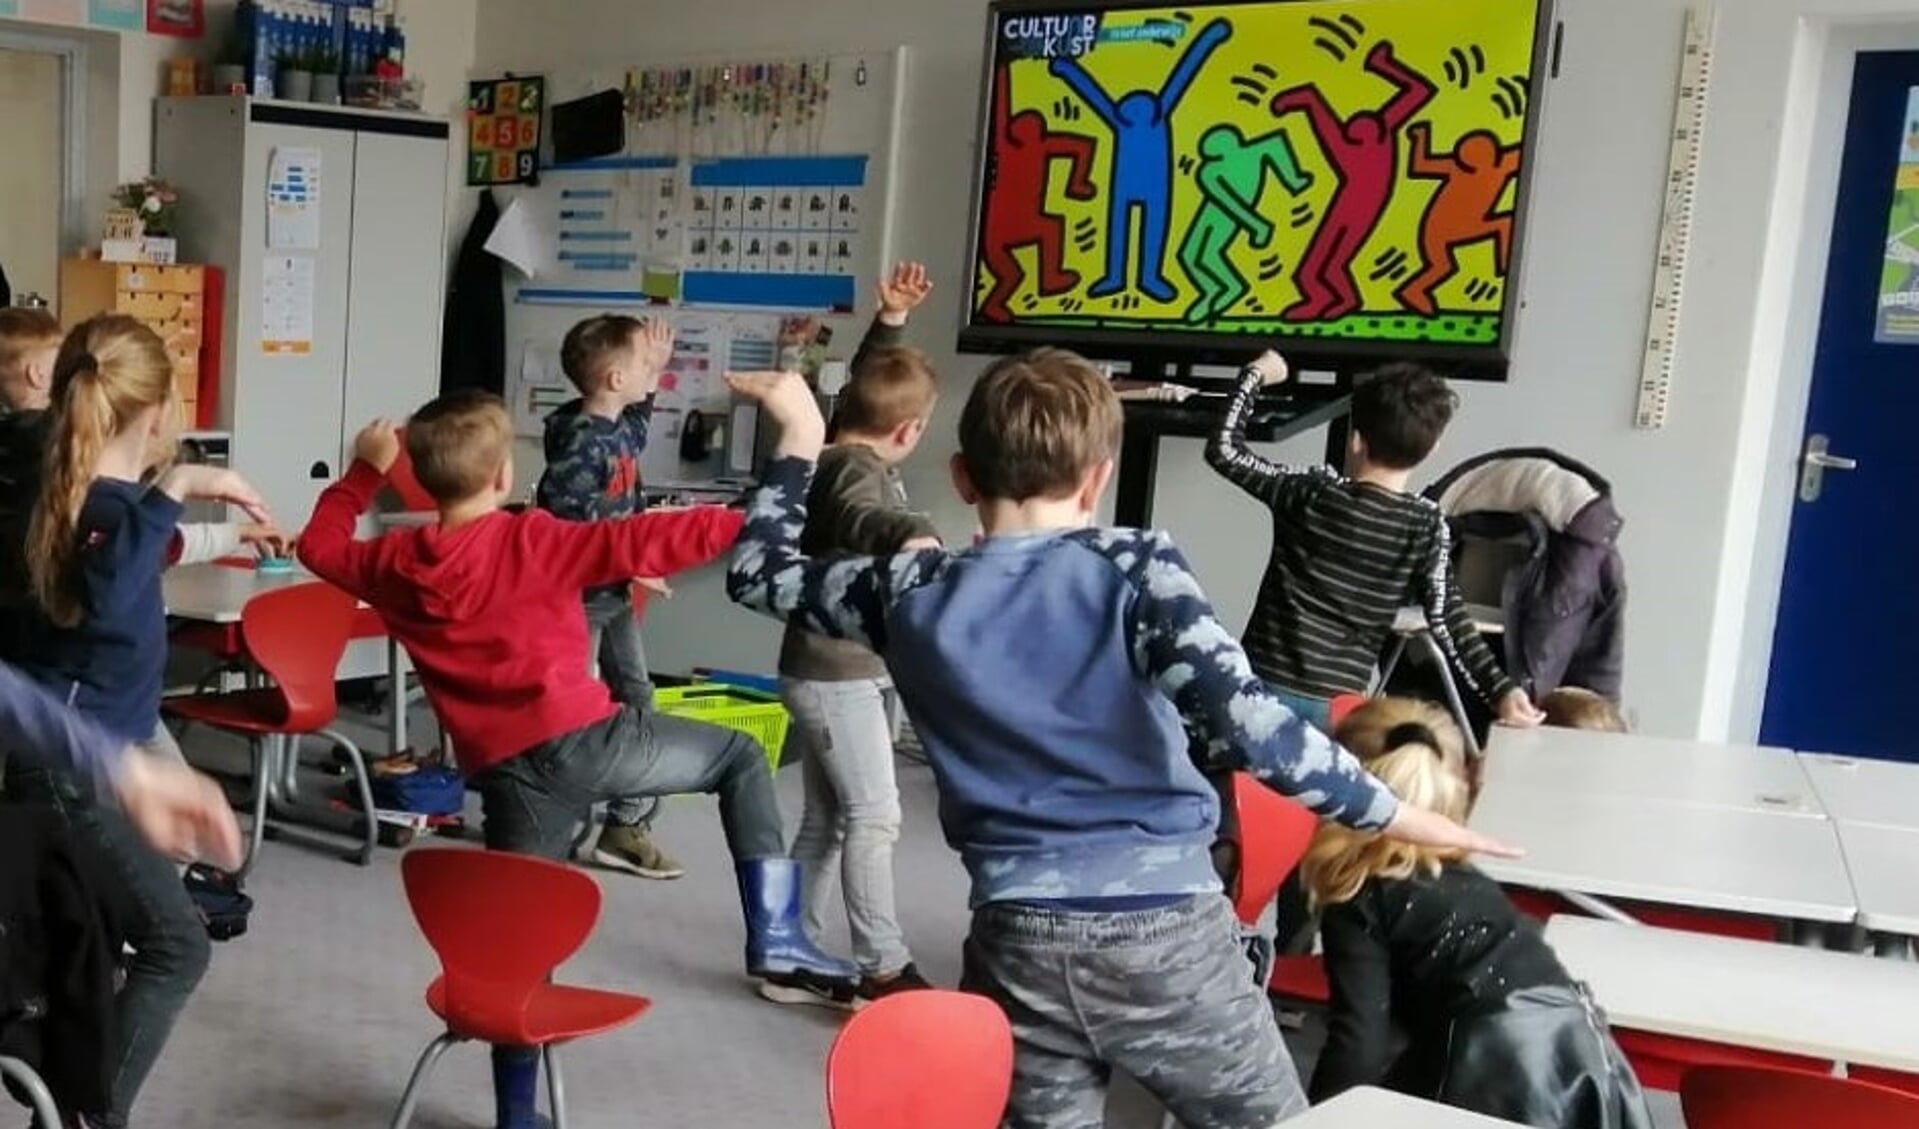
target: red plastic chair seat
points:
(924, 1060)
(1731, 1097)
(1302, 978)
(553, 1014)
(221, 640)
(256, 712)
(1663, 1061)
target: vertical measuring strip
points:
(1675, 224)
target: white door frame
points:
(74, 139)
(1788, 308)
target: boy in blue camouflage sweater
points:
(1052, 671)
(593, 448)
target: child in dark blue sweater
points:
(1051, 671)
(94, 633)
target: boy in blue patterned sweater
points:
(1052, 670)
(593, 448)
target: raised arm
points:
(1421, 161)
(1069, 71)
(1003, 105)
(1309, 101)
(1415, 90)
(1191, 63)
(1227, 452)
(327, 546)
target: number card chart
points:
(503, 130)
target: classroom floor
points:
(314, 1017)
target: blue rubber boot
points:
(516, 1089)
(790, 968)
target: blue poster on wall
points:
(117, 15)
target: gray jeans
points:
(613, 641)
(852, 816)
(1164, 995)
(170, 946)
(534, 802)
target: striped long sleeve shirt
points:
(1347, 557)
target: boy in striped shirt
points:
(1350, 551)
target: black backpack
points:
(223, 906)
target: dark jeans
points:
(534, 802)
(614, 641)
(151, 907)
(1163, 995)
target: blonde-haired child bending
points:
(1420, 942)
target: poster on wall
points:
(117, 15)
(186, 19)
(503, 130)
(1898, 320)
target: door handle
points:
(1817, 461)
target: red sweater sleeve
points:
(327, 546)
(592, 554)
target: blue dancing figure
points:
(1142, 160)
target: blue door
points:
(1845, 656)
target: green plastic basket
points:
(759, 716)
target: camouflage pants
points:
(1162, 995)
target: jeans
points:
(150, 904)
(613, 638)
(1164, 995)
(534, 802)
(852, 816)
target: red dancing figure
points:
(1364, 153)
(1022, 154)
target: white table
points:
(1839, 1006)
(1367, 1108)
(215, 593)
(1866, 791)
(1884, 862)
(1742, 861)
(1583, 762)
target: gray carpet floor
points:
(313, 1018)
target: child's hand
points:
(1517, 711)
(215, 484)
(655, 586)
(800, 332)
(902, 292)
(1271, 368)
(378, 445)
(181, 814)
(266, 540)
(655, 345)
(785, 397)
(1429, 829)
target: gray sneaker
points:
(629, 849)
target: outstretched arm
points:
(1080, 151)
(1415, 90)
(1003, 104)
(1421, 162)
(1227, 452)
(1069, 71)
(1309, 101)
(1191, 63)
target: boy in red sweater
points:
(487, 604)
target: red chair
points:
(1891, 1079)
(930, 1060)
(296, 635)
(501, 923)
(1274, 833)
(1664, 1062)
(1737, 1097)
(1342, 707)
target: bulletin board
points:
(749, 191)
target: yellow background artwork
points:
(1315, 257)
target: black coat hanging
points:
(473, 343)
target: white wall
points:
(1698, 498)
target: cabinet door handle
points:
(320, 472)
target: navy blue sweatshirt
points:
(112, 665)
(1049, 676)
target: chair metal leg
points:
(44, 1109)
(421, 1068)
(364, 789)
(262, 788)
(1451, 687)
(1391, 664)
(555, 1088)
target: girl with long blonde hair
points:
(94, 633)
(1418, 942)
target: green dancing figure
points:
(1232, 177)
